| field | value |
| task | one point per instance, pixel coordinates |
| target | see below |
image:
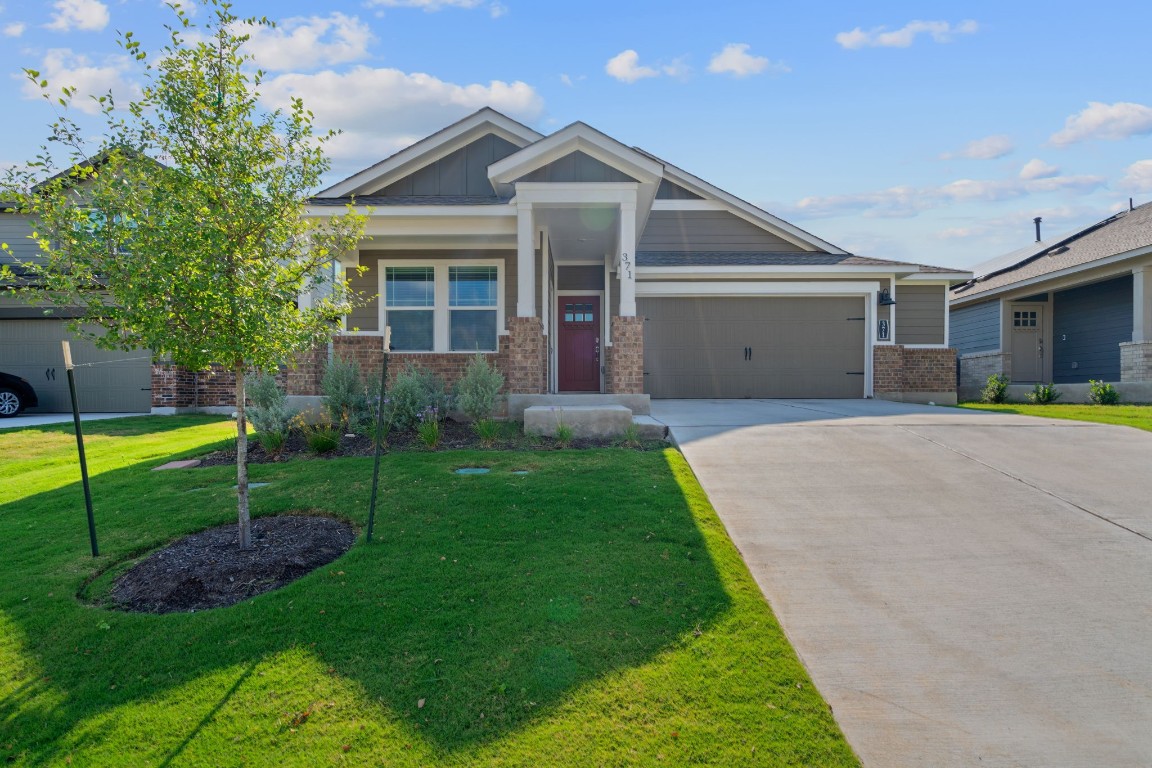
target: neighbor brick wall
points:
(897, 369)
(1136, 361)
(975, 368)
(625, 358)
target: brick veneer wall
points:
(1136, 361)
(524, 360)
(899, 370)
(975, 368)
(625, 358)
(176, 387)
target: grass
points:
(591, 612)
(1139, 416)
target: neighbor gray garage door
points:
(118, 382)
(714, 347)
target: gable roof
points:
(430, 149)
(1123, 235)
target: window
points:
(472, 301)
(410, 296)
(449, 307)
(1024, 319)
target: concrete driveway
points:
(965, 588)
(38, 419)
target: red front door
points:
(579, 343)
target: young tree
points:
(201, 253)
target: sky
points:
(926, 132)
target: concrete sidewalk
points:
(965, 588)
(40, 419)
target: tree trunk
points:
(242, 463)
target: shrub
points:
(429, 427)
(1042, 394)
(345, 397)
(564, 434)
(321, 436)
(478, 391)
(269, 409)
(414, 391)
(630, 437)
(272, 442)
(487, 430)
(1102, 393)
(996, 390)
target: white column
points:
(1141, 304)
(525, 262)
(626, 270)
(545, 299)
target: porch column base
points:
(1136, 361)
(625, 358)
(523, 350)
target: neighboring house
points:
(581, 265)
(1064, 310)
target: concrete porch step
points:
(591, 421)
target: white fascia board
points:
(414, 211)
(433, 148)
(947, 278)
(576, 137)
(813, 288)
(469, 242)
(1108, 261)
(749, 212)
(688, 205)
(754, 272)
(575, 193)
(439, 227)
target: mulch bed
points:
(209, 570)
(454, 436)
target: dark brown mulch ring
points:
(209, 570)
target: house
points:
(579, 264)
(1065, 310)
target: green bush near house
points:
(1102, 393)
(1043, 394)
(996, 389)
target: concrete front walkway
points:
(965, 588)
(38, 419)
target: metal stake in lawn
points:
(80, 447)
(379, 426)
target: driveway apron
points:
(965, 588)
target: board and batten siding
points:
(1088, 325)
(920, 313)
(366, 317)
(578, 167)
(463, 172)
(707, 231)
(975, 328)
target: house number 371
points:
(626, 265)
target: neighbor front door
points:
(578, 343)
(1027, 343)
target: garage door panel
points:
(106, 380)
(696, 347)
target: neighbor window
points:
(441, 308)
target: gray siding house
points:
(1065, 310)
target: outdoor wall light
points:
(885, 299)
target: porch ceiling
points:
(585, 233)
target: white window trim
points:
(440, 310)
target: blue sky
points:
(912, 131)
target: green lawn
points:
(1139, 416)
(592, 612)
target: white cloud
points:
(880, 37)
(1105, 121)
(1038, 169)
(305, 43)
(87, 15)
(15, 29)
(61, 67)
(404, 107)
(906, 201)
(496, 10)
(734, 59)
(625, 67)
(987, 148)
(1138, 176)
